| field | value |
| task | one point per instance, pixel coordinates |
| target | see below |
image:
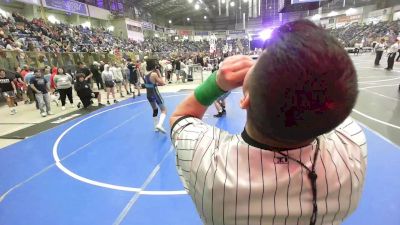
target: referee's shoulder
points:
(351, 131)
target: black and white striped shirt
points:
(234, 180)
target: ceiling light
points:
(169, 21)
(223, 1)
(196, 7)
(188, 19)
(266, 34)
(232, 4)
(245, 1)
(205, 17)
(190, 1)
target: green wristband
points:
(208, 91)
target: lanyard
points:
(312, 176)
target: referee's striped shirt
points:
(234, 180)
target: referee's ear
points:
(245, 101)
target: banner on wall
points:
(32, 2)
(67, 6)
(159, 29)
(328, 23)
(344, 20)
(378, 16)
(303, 1)
(348, 19)
(396, 16)
(219, 32)
(185, 32)
(380, 12)
(170, 31)
(134, 30)
(99, 13)
(236, 32)
(201, 33)
(147, 25)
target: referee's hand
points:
(232, 72)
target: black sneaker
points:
(100, 105)
(220, 114)
(115, 101)
(79, 105)
(139, 94)
(108, 103)
(224, 112)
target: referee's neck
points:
(261, 140)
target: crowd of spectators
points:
(366, 34)
(20, 34)
(49, 84)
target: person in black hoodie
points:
(84, 92)
(97, 75)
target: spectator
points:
(47, 74)
(97, 75)
(30, 93)
(24, 71)
(392, 54)
(20, 85)
(125, 74)
(63, 83)
(134, 77)
(54, 72)
(109, 83)
(8, 91)
(41, 90)
(101, 66)
(83, 69)
(85, 93)
(177, 68)
(379, 48)
(118, 77)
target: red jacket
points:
(54, 72)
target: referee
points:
(300, 159)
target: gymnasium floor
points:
(109, 167)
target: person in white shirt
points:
(116, 70)
(379, 48)
(393, 49)
(143, 68)
(357, 47)
(63, 82)
(109, 83)
(168, 71)
(183, 73)
(300, 159)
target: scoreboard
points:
(300, 5)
